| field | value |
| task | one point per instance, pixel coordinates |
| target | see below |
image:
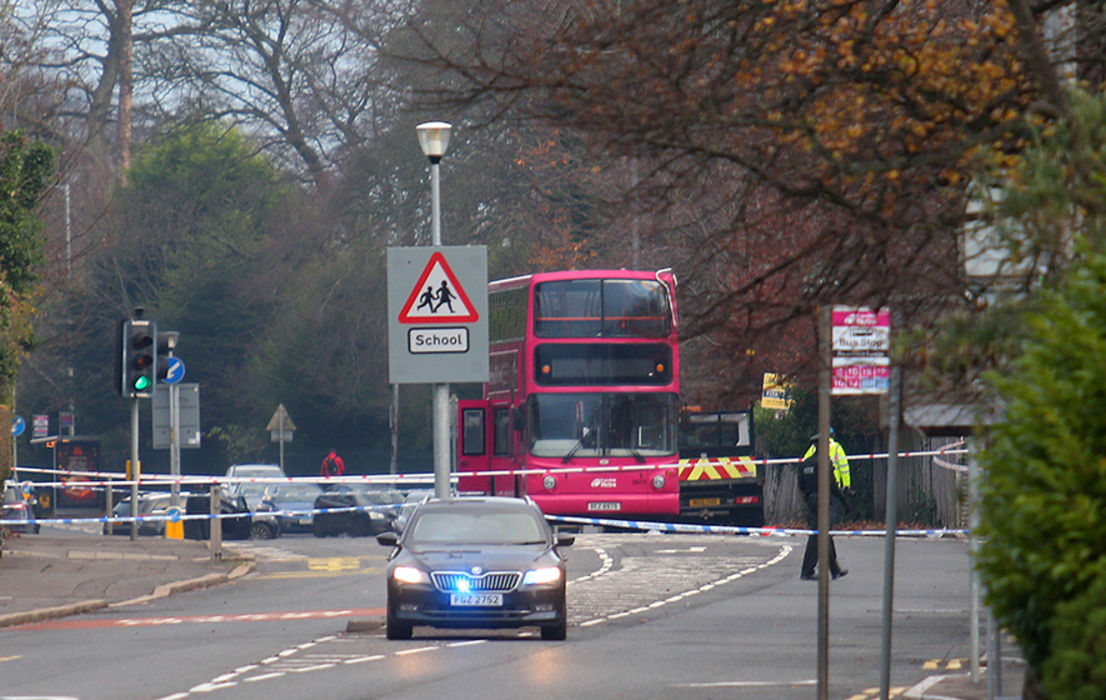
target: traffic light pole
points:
(134, 469)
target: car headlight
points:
(658, 481)
(375, 515)
(536, 577)
(409, 574)
(549, 482)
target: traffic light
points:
(164, 350)
(166, 343)
(138, 359)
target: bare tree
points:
(792, 154)
(287, 70)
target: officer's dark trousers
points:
(810, 555)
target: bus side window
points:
(501, 440)
(472, 431)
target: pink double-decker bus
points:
(581, 409)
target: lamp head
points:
(433, 139)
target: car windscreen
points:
(293, 492)
(383, 498)
(476, 527)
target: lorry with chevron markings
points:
(719, 480)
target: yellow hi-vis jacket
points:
(839, 460)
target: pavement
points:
(59, 573)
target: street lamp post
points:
(171, 339)
(434, 139)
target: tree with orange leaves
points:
(791, 152)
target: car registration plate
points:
(486, 600)
(704, 502)
(604, 506)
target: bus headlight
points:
(549, 481)
(658, 481)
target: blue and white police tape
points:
(736, 530)
(178, 517)
(644, 525)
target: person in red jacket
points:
(333, 465)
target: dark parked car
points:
(476, 562)
(18, 512)
(149, 504)
(235, 527)
(296, 499)
(378, 505)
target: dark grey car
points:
(476, 562)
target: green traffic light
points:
(141, 383)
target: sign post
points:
(280, 429)
(861, 365)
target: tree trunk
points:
(5, 439)
(126, 87)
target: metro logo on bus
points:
(437, 297)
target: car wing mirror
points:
(564, 540)
(388, 539)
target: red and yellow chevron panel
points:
(701, 468)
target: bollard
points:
(216, 523)
(174, 526)
(110, 508)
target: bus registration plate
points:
(486, 600)
(704, 502)
(604, 506)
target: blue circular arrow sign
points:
(174, 515)
(18, 426)
(174, 372)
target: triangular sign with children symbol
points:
(438, 297)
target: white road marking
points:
(282, 662)
(363, 659)
(748, 684)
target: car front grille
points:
(491, 581)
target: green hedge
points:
(1043, 559)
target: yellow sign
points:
(774, 393)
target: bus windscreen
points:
(602, 425)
